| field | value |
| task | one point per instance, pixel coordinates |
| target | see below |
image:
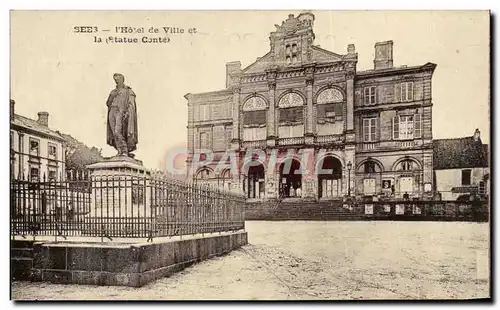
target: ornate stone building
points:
(348, 132)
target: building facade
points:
(334, 130)
(37, 152)
(461, 167)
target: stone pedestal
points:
(121, 187)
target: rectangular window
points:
(52, 150)
(34, 147)
(205, 114)
(370, 95)
(369, 129)
(204, 141)
(406, 127)
(418, 126)
(466, 177)
(407, 91)
(34, 174)
(52, 174)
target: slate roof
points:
(34, 126)
(460, 153)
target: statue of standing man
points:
(122, 118)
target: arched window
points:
(204, 174)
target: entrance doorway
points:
(329, 177)
(255, 187)
(290, 174)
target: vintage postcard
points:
(250, 155)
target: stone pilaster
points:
(427, 169)
(309, 176)
(309, 115)
(350, 100)
(271, 125)
(235, 141)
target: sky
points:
(65, 73)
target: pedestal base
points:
(121, 187)
(122, 165)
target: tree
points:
(78, 155)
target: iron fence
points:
(429, 210)
(122, 206)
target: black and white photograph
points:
(244, 155)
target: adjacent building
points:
(36, 150)
(461, 167)
(370, 130)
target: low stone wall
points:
(125, 264)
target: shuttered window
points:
(407, 91)
(407, 127)
(369, 129)
(370, 95)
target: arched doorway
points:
(329, 177)
(255, 182)
(290, 174)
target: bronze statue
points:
(122, 118)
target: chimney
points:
(477, 135)
(383, 55)
(43, 119)
(12, 109)
(232, 68)
(351, 49)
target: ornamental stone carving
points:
(291, 100)
(330, 95)
(254, 103)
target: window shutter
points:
(395, 127)
(397, 93)
(377, 95)
(410, 92)
(366, 124)
(373, 129)
(377, 129)
(418, 125)
(366, 95)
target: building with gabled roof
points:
(461, 167)
(37, 151)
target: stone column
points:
(235, 141)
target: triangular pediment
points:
(260, 65)
(320, 55)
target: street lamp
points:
(349, 166)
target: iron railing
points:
(428, 210)
(122, 206)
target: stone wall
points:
(126, 264)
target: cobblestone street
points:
(321, 260)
